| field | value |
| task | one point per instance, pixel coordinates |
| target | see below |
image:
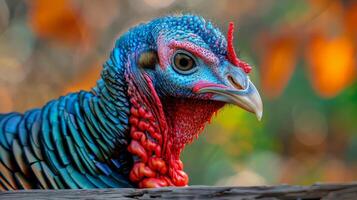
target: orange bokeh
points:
(278, 63)
(57, 20)
(331, 63)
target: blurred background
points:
(304, 58)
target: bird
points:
(162, 83)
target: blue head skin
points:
(211, 73)
(202, 48)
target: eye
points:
(183, 62)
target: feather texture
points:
(67, 144)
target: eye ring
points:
(184, 62)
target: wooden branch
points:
(317, 191)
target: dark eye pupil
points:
(183, 62)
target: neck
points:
(160, 128)
(186, 119)
(106, 112)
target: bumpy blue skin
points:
(80, 140)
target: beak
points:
(243, 95)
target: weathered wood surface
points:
(317, 191)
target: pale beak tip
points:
(259, 115)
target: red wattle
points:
(133, 121)
(153, 183)
(139, 171)
(158, 164)
(147, 135)
(137, 135)
(136, 148)
(179, 177)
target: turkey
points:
(161, 84)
